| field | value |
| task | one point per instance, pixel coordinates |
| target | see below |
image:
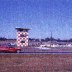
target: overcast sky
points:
(41, 16)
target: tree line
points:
(50, 39)
(41, 40)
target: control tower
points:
(22, 37)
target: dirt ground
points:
(35, 62)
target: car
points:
(10, 49)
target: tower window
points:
(22, 35)
(22, 41)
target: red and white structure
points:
(22, 37)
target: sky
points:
(41, 16)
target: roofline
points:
(22, 28)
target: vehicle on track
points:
(10, 49)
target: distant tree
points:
(47, 39)
(65, 40)
(58, 40)
(31, 39)
(3, 38)
(37, 40)
(70, 40)
(52, 39)
(42, 40)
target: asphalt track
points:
(44, 51)
(40, 53)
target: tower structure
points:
(22, 37)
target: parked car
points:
(9, 49)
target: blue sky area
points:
(41, 16)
